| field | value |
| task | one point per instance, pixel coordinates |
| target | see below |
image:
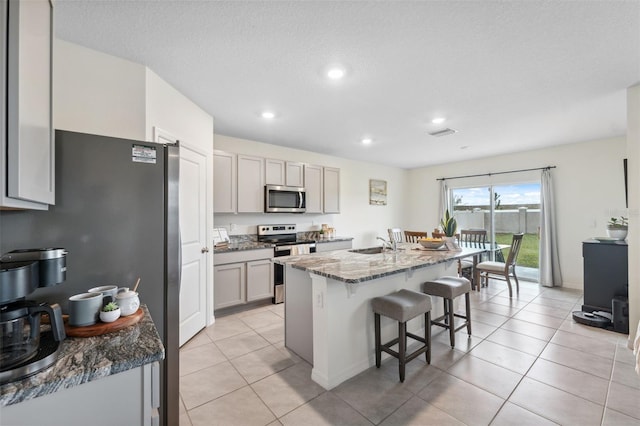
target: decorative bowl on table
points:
(431, 243)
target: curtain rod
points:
(499, 173)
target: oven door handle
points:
(282, 248)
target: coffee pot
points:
(24, 349)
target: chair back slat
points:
(395, 234)
(414, 236)
(476, 237)
(516, 243)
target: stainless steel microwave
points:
(284, 199)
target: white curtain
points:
(444, 198)
(550, 275)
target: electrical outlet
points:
(233, 227)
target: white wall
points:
(588, 184)
(633, 153)
(97, 93)
(174, 113)
(357, 218)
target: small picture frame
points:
(377, 192)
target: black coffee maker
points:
(24, 349)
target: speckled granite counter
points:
(333, 240)
(83, 360)
(249, 242)
(350, 267)
(242, 245)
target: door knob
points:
(204, 250)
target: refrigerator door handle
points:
(179, 259)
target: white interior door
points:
(196, 259)
(195, 250)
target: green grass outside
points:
(528, 255)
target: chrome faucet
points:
(391, 244)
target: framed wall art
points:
(377, 192)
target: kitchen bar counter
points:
(83, 360)
(328, 316)
(351, 267)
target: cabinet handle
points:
(204, 250)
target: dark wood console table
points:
(606, 273)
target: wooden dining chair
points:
(502, 270)
(472, 238)
(414, 236)
(395, 234)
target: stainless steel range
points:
(286, 242)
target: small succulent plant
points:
(615, 222)
(111, 306)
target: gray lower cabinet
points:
(127, 398)
(229, 283)
(333, 245)
(259, 279)
(241, 277)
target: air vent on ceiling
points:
(443, 132)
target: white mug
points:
(128, 301)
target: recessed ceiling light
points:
(268, 115)
(438, 120)
(335, 73)
(366, 141)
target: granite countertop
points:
(252, 244)
(242, 245)
(333, 240)
(86, 359)
(350, 267)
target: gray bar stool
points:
(449, 288)
(402, 306)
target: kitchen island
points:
(328, 317)
(112, 379)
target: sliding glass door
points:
(503, 210)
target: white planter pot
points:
(617, 233)
(110, 316)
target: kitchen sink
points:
(368, 250)
(371, 250)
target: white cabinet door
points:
(195, 251)
(313, 186)
(295, 174)
(274, 171)
(224, 182)
(30, 154)
(331, 190)
(250, 184)
(229, 285)
(259, 280)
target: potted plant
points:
(618, 227)
(110, 312)
(449, 225)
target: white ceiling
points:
(508, 75)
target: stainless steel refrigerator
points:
(116, 213)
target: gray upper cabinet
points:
(28, 149)
(331, 192)
(250, 184)
(224, 182)
(280, 172)
(274, 171)
(313, 186)
(295, 174)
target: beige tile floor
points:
(526, 363)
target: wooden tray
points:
(101, 328)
